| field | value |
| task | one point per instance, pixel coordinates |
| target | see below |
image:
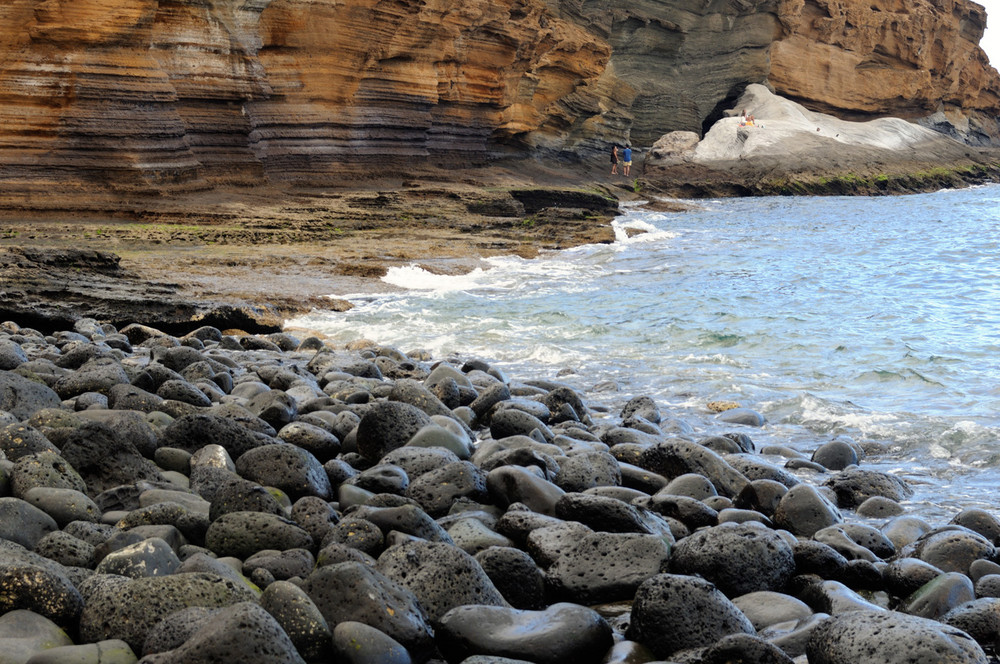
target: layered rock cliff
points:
(910, 59)
(166, 94)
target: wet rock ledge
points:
(49, 289)
(272, 498)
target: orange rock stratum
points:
(174, 94)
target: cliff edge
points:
(179, 95)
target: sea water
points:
(874, 318)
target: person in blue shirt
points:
(627, 160)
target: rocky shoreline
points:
(223, 496)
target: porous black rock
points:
(607, 567)
(119, 608)
(441, 575)
(353, 591)
(287, 467)
(677, 456)
(673, 612)
(436, 490)
(388, 425)
(737, 558)
(193, 432)
(515, 575)
(242, 534)
(890, 637)
(854, 486)
(243, 632)
(33, 583)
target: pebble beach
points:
(227, 497)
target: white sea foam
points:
(414, 277)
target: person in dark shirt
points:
(614, 160)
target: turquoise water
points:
(874, 318)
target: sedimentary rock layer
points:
(154, 94)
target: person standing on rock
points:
(614, 159)
(627, 160)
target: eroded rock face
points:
(154, 94)
(907, 59)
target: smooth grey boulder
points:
(607, 567)
(673, 612)
(354, 591)
(132, 397)
(765, 608)
(317, 441)
(506, 422)
(408, 519)
(409, 391)
(231, 493)
(835, 455)
(951, 549)
(440, 575)
(381, 478)
(979, 521)
(979, 618)
(22, 397)
(96, 375)
(301, 619)
(23, 523)
(24, 633)
(737, 558)
(744, 416)
(11, 355)
(939, 596)
(607, 514)
(514, 484)
(644, 407)
(65, 549)
(804, 510)
(106, 459)
(315, 515)
(890, 637)
(282, 565)
(276, 407)
(834, 597)
(560, 634)
(472, 534)
(112, 651)
(586, 470)
(904, 576)
(549, 541)
(358, 643)
(744, 648)
(243, 632)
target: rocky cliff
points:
(155, 94)
(915, 59)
